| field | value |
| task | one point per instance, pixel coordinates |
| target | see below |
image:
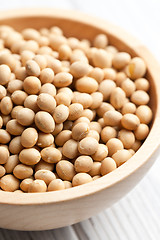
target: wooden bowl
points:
(41, 211)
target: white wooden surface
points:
(137, 216)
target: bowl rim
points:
(148, 148)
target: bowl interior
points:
(83, 27)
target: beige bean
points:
(41, 61)
(32, 68)
(31, 103)
(104, 107)
(88, 113)
(3, 92)
(101, 153)
(37, 186)
(5, 74)
(44, 140)
(81, 119)
(96, 177)
(83, 98)
(14, 85)
(117, 98)
(112, 118)
(67, 184)
(5, 137)
(18, 97)
(14, 128)
(67, 91)
(62, 79)
(45, 175)
(136, 68)
(75, 111)
(136, 145)
(106, 87)
(11, 163)
(109, 73)
(55, 185)
(9, 183)
(63, 98)
(60, 113)
(120, 60)
(15, 110)
(86, 85)
(65, 170)
(83, 164)
(26, 55)
(46, 102)
(29, 137)
(120, 77)
(29, 156)
(25, 184)
(88, 146)
(114, 145)
(20, 73)
(142, 84)
(48, 88)
(56, 41)
(101, 58)
(1, 122)
(144, 113)
(127, 138)
(141, 132)
(8, 60)
(93, 134)
(97, 99)
(22, 171)
(64, 52)
(5, 119)
(54, 64)
(4, 154)
(70, 149)
(108, 133)
(128, 87)
(80, 130)
(2, 171)
(32, 85)
(130, 121)
(128, 108)
(79, 69)
(95, 170)
(63, 137)
(25, 116)
(100, 41)
(121, 156)
(44, 122)
(107, 166)
(30, 45)
(15, 146)
(58, 128)
(97, 74)
(41, 165)
(6, 105)
(30, 34)
(81, 178)
(51, 155)
(95, 126)
(140, 97)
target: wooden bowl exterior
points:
(41, 211)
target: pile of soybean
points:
(71, 110)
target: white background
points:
(137, 216)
